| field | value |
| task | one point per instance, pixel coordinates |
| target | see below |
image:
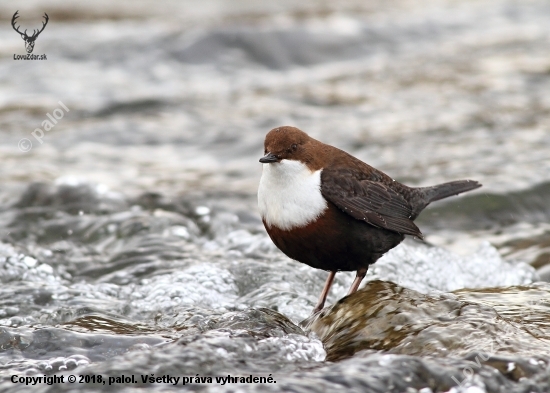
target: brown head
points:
(290, 143)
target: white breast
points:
(289, 195)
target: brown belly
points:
(336, 241)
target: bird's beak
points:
(269, 158)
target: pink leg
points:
(324, 293)
(358, 278)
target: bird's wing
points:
(368, 200)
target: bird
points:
(328, 209)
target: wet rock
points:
(386, 317)
(259, 322)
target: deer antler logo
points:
(29, 41)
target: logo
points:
(29, 40)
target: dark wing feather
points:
(368, 200)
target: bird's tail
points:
(435, 193)
(440, 191)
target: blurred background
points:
(169, 102)
(176, 96)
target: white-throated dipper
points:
(325, 208)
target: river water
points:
(130, 242)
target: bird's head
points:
(287, 143)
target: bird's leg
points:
(324, 293)
(358, 278)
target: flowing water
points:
(130, 243)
